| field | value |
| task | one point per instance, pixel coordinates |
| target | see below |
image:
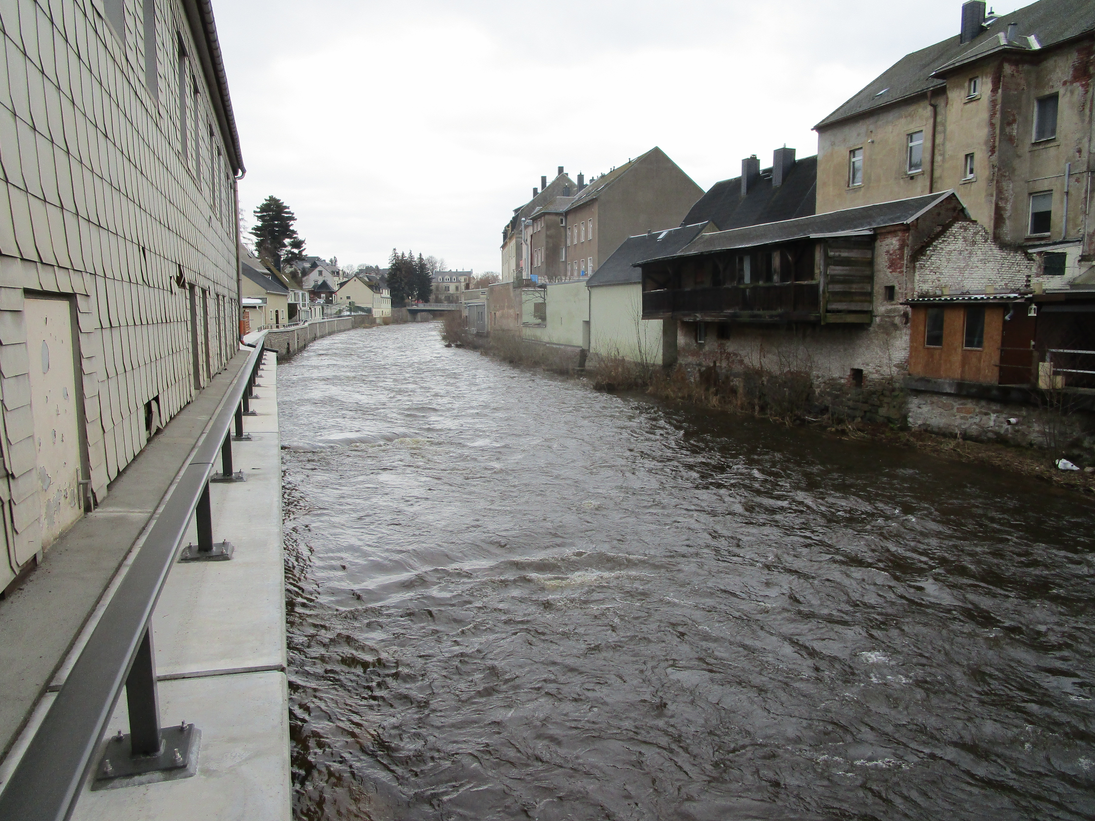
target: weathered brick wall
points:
(964, 259)
(103, 207)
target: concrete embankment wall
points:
(288, 341)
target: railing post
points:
(227, 474)
(148, 747)
(143, 701)
(205, 550)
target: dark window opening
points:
(975, 328)
(1041, 212)
(1053, 264)
(891, 293)
(1045, 118)
(856, 377)
(724, 330)
(701, 333)
(933, 337)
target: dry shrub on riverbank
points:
(453, 331)
(511, 348)
(614, 373)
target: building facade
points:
(118, 246)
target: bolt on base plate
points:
(235, 477)
(221, 552)
(120, 768)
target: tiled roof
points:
(619, 269)
(262, 279)
(727, 208)
(1049, 21)
(834, 223)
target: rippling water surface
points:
(513, 597)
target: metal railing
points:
(52, 772)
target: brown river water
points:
(513, 597)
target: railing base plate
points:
(221, 552)
(178, 758)
(235, 477)
(245, 438)
(251, 412)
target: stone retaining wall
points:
(288, 341)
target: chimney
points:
(581, 181)
(535, 192)
(543, 183)
(973, 18)
(560, 171)
(750, 173)
(1013, 32)
(783, 160)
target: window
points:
(151, 75)
(915, 153)
(583, 233)
(184, 93)
(967, 167)
(589, 263)
(855, 167)
(701, 333)
(745, 269)
(975, 328)
(589, 233)
(855, 377)
(1041, 210)
(1053, 264)
(973, 87)
(1045, 118)
(933, 337)
(568, 237)
(890, 292)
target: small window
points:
(723, 330)
(582, 231)
(151, 71)
(1041, 212)
(1045, 118)
(590, 262)
(915, 154)
(1053, 264)
(568, 237)
(891, 292)
(855, 376)
(589, 233)
(855, 167)
(975, 328)
(967, 167)
(973, 87)
(933, 337)
(701, 333)
(115, 15)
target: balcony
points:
(762, 302)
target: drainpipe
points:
(931, 159)
(1087, 174)
(1068, 179)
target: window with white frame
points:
(589, 266)
(582, 232)
(855, 167)
(1045, 118)
(973, 87)
(914, 155)
(968, 167)
(1041, 212)
(589, 233)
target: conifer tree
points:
(398, 285)
(422, 280)
(276, 240)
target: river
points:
(513, 597)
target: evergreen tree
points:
(398, 285)
(276, 240)
(422, 280)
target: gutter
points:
(203, 29)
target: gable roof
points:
(727, 208)
(849, 221)
(262, 279)
(602, 183)
(1051, 22)
(619, 269)
(322, 286)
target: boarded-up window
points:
(933, 337)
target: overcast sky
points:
(422, 124)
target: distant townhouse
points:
(648, 192)
(516, 259)
(265, 297)
(118, 267)
(364, 292)
(448, 285)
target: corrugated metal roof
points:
(963, 298)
